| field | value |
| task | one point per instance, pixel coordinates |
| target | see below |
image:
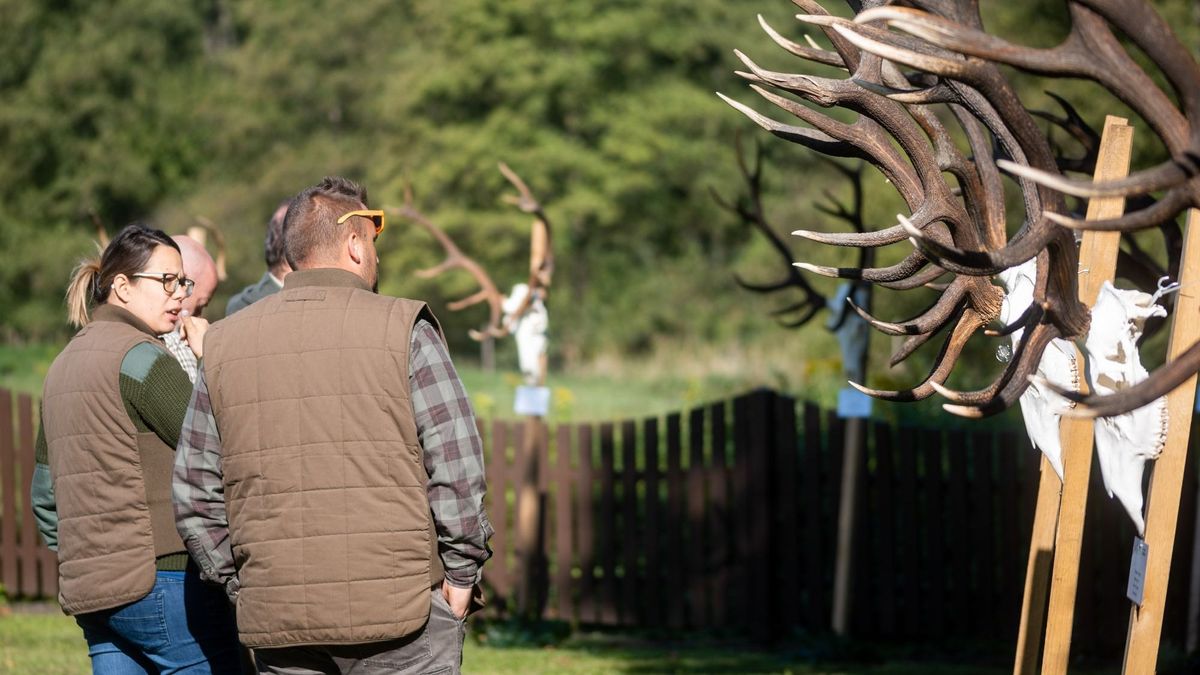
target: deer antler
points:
(961, 229)
(753, 214)
(541, 252)
(101, 233)
(455, 259)
(218, 240)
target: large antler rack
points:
(541, 250)
(751, 212)
(456, 259)
(963, 230)
(1091, 51)
(541, 259)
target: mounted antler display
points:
(523, 312)
(456, 259)
(852, 296)
(958, 220)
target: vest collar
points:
(110, 312)
(324, 276)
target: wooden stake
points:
(1037, 571)
(1166, 479)
(1097, 262)
(843, 590)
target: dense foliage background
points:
(168, 109)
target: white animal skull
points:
(1040, 406)
(1126, 441)
(529, 330)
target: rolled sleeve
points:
(453, 453)
(199, 492)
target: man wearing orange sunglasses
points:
(330, 473)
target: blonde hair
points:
(81, 290)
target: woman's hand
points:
(192, 329)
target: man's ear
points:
(354, 247)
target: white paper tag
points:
(1137, 571)
(853, 403)
(532, 401)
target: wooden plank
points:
(631, 611)
(497, 568)
(673, 534)
(864, 574)
(718, 520)
(848, 522)
(744, 611)
(1008, 540)
(585, 507)
(1038, 570)
(1097, 263)
(787, 522)
(608, 517)
(697, 574)
(958, 591)
(883, 518)
(760, 582)
(8, 493)
(831, 476)
(982, 491)
(564, 560)
(935, 544)
(908, 536)
(1162, 504)
(1179, 594)
(815, 588)
(652, 598)
(28, 538)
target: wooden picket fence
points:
(724, 517)
(27, 568)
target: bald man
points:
(199, 268)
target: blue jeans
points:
(183, 625)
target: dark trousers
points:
(436, 649)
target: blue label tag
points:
(1137, 571)
(853, 403)
(532, 401)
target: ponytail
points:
(82, 291)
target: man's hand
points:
(459, 599)
(192, 329)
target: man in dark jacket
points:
(277, 266)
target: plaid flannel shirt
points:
(182, 352)
(453, 453)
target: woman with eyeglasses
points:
(112, 407)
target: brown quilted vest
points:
(112, 484)
(325, 483)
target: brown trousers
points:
(436, 649)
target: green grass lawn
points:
(49, 643)
(575, 398)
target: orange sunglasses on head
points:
(373, 215)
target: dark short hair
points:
(127, 254)
(310, 229)
(273, 251)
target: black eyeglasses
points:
(169, 281)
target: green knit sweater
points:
(155, 391)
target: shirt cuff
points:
(463, 577)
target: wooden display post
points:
(1059, 519)
(1166, 478)
(1055, 545)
